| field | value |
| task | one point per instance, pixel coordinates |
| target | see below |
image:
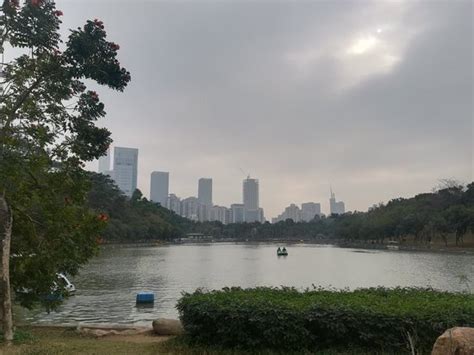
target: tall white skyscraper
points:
(125, 169)
(251, 200)
(159, 187)
(205, 191)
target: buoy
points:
(145, 297)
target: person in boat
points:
(284, 250)
(278, 250)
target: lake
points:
(107, 286)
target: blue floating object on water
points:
(145, 297)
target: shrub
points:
(286, 318)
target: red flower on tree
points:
(94, 96)
(36, 2)
(103, 217)
(114, 46)
(58, 13)
(99, 23)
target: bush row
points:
(285, 318)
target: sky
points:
(373, 98)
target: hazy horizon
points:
(371, 97)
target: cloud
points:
(374, 97)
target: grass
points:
(52, 341)
(180, 345)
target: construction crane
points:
(243, 172)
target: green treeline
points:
(447, 212)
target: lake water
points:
(107, 286)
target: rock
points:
(455, 341)
(163, 326)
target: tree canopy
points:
(133, 219)
(48, 129)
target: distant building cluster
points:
(306, 213)
(124, 173)
(202, 209)
(310, 210)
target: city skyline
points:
(124, 172)
(291, 96)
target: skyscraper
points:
(335, 207)
(159, 187)
(309, 210)
(125, 169)
(251, 200)
(104, 164)
(205, 191)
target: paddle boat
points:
(282, 251)
(60, 285)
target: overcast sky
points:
(372, 97)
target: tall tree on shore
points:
(47, 131)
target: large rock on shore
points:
(163, 326)
(455, 341)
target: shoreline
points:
(410, 247)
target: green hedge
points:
(285, 318)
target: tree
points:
(47, 131)
(459, 219)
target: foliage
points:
(376, 318)
(132, 219)
(48, 129)
(21, 336)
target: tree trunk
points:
(6, 222)
(445, 239)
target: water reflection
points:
(108, 285)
